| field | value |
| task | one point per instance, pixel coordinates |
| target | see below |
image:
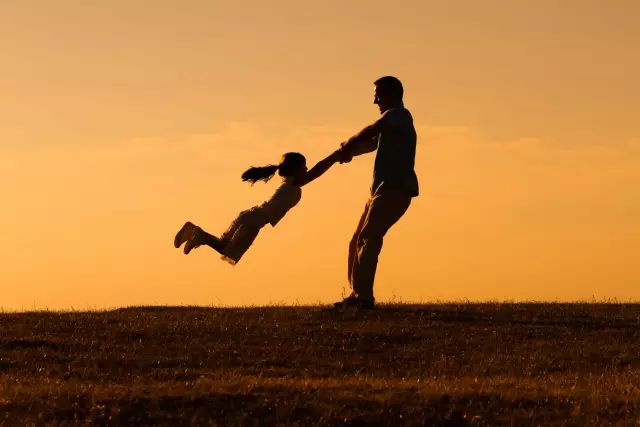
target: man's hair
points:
(390, 85)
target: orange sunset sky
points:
(121, 119)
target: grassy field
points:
(440, 364)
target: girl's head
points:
(291, 164)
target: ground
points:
(440, 364)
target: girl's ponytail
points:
(262, 173)
(290, 164)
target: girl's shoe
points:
(196, 239)
(185, 233)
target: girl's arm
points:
(321, 167)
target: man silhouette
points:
(394, 185)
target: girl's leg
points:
(196, 236)
(240, 242)
(234, 227)
(212, 241)
(200, 237)
(235, 241)
(241, 234)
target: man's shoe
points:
(355, 301)
(348, 301)
(197, 239)
(185, 233)
(366, 304)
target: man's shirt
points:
(396, 154)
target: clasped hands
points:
(343, 153)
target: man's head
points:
(388, 93)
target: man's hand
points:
(344, 155)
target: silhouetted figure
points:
(394, 185)
(243, 231)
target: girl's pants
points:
(241, 234)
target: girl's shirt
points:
(286, 196)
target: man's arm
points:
(362, 147)
(363, 142)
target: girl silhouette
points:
(243, 230)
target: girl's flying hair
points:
(289, 164)
(260, 173)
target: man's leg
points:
(384, 211)
(353, 244)
(353, 250)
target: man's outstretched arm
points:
(363, 147)
(364, 141)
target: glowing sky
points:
(120, 120)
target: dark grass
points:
(440, 364)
